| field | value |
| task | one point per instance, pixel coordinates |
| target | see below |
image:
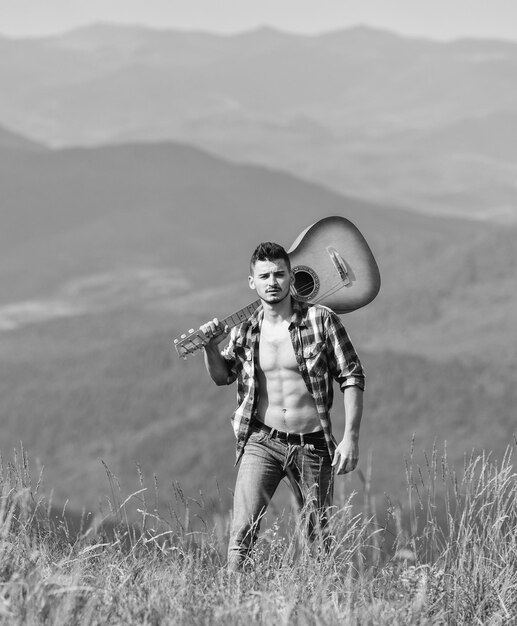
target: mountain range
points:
(362, 111)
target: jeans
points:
(265, 462)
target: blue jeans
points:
(265, 462)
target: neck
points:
(278, 311)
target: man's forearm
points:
(353, 400)
(346, 455)
(216, 365)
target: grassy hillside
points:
(407, 568)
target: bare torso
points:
(284, 401)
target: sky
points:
(436, 19)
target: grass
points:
(446, 556)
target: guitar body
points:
(332, 265)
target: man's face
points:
(271, 280)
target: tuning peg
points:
(183, 336)
(191, 331)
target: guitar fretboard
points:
(241, 315)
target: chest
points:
(276, 349)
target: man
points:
(284, 359)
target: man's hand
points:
(346, 456)
(214, 332)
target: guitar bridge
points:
(339, 264)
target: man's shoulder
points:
(319, 311)
(324, 318)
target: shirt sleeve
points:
(343, 361)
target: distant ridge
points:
(493, 135)
(363, 111)
(15, 141)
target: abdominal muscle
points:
(284, 402)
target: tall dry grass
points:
(448, 555)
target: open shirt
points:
(323, 351)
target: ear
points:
(292, 279)
(251, 282)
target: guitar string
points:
(307, 290)
(322, 296)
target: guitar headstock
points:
(194, 340)
(190, 342)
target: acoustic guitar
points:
(332, 265)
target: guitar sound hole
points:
(306, 283)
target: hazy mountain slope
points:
(490, 136)
(365, 112)
(78, 213)
(102, 208)
(10, 141)
(109, 253)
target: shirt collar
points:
(299, 312)
(256, 317)
(297, 318)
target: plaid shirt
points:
(323, 351)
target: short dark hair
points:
(269, 251)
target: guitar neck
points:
(241, 315)
(194, 340)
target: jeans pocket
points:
(320, 450)
(258, 436)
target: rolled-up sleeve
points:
(343, 361)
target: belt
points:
(295, 438)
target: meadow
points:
(446, 555)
